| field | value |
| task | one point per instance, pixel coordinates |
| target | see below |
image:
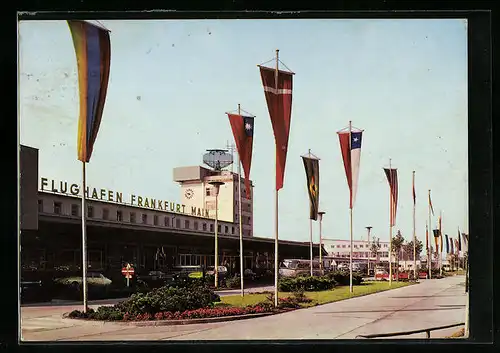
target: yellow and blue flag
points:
(93, 55)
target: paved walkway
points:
(430, 303)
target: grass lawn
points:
(318, 298)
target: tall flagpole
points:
(276, 203)
(310, 238)
(429, 251)
(350, 215)
(240, 217)
(441, 247)
(390, 224)
(414, 235)
(84, 243)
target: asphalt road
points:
(428, 304)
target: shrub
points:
(189, 297)
(300, 296)
(289, 302)
(343, 277)
(233, 282)
(309, 283)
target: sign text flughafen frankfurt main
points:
(65, 188)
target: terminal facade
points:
(151, 234)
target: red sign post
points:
(128, 272)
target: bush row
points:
(107, 313)
(310, 283)
(314, 283)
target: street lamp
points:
(216, 185)
(369, 253)
(320, 215)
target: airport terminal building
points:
(150, 233)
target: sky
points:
(404, 82)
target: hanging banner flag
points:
(447, 244)
(311, 166)
(93, 55)
(278, 91)
(392, 178)
(456, 246)
(350, 145)
(436, 239)
(459, 241)
(430, 203)
(243, 130)
(466, 241)
(451, 246)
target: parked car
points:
(222, 270)
(93, 278)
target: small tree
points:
(408, 249)
(397, 245)
(375, 248)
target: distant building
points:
(340, 248)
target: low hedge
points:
(310, 283)
(343, 277)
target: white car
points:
(94, 278)
(222, 270)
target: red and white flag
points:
(392, 178)
(350, 145)
(278, 91)
(243, 130)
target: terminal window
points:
(186, 224)
(167, 222)
(155, 220)
(177, 223)
(105, 213)
(232, 230)
(74, 210)
(144, 218)
(57, 207)
(226, 229)
(119, 216)
(196, 225)
(219, 228)
(90, 211)
(40, 205)
(132, 217)
(211, 227)
(204, 226)
(208, 192)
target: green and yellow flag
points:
(311, 165)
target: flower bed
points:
(203, 313)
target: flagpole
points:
(311, 236)
(414, 235)
(441, 247)
(240, 217)
(429, 250)
(310, 245)
(276, 203)
(84, 242)
(390, 223)
(350, 217)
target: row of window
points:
(362, 254)
(75, 211)
(357, 246)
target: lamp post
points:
(369, 228)
(320, 215)
(216, 185)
